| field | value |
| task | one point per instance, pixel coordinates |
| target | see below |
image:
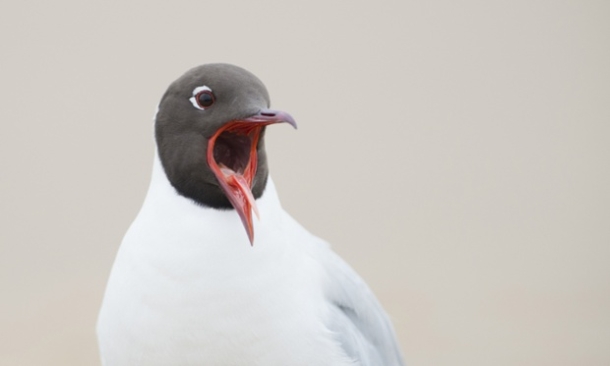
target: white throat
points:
(203, 230)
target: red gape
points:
(238, 187)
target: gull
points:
(198, 281)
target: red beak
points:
(232, 155)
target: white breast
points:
(187, 288)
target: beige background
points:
(455, 153)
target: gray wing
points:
(358, 321)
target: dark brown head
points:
(210, 136)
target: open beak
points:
(232, 156)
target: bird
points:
(197, 280)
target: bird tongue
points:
(240, 188)
(237, 189)
(232, 155)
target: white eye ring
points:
(196, 91)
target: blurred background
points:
(456, 154)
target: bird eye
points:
(202, 98)
(205, 99)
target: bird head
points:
(210, 130)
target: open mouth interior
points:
(232, 152)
